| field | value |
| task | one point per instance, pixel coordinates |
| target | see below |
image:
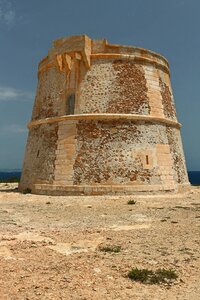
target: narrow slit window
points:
(38, 153)
(147, 159)
(70, 104)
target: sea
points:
(194, 176)
(10, 176)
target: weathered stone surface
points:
(121, 89)
(103, 122)
(39, 162)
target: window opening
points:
(70, 104)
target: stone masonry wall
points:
(114, 86)
(50, 97)
(176, 148)
(40, 155)
(154, 91)
(65, 152)
(118, 152)
(168, 105)
(123, 86)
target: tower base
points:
(64, 190)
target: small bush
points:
(114, 249)
(131, 202)
(27, 191)
(152, 277)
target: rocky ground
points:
(50, 247)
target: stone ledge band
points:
(46, 63)
(136, 58)
(56, 189)
(105, 117)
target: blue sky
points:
(27, 29)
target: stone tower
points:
(103, 122)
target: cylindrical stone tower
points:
(103, 122)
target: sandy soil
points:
(49, 246)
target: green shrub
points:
(114, 249)
(27, 191)
(152, 277)
(131, 202)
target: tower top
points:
(90, 48)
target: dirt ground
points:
(50, 246)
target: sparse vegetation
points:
(153, 277)
(27, 191)
(114, 249)
(131, 202)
